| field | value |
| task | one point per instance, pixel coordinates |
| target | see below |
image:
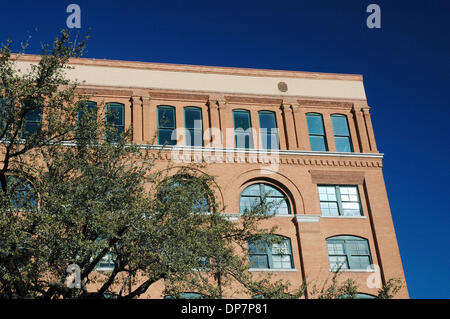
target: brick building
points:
(306, 138)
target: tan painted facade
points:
(294, 169)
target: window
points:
(193, 125)
(186, 189)
(341, 133)
(316, 132)
(21, 192)
(253, 195)
(115, 120)
(268, 129)
(86, 115)
(5, 113)
(358, 296)
(166, 125)
(106, 263)
(348, 252)
(31, 122)
(338, 200)
(242, 129)
(185, 295)
(261, 255)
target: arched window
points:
(86, 120)
(262, 255)
(193, 125)
(6, 111)
(269, 130)
(316, 132)
(253, 195)
(115, 120)
(185, 188)
(166, 125)
(341, 133)
(21, 192)
(348, 252)
(32, 122)
(243, 136)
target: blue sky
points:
(405, 65)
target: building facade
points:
(306, 139)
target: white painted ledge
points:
(354, 270)
(307, 218)
(272, 270)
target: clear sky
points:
(405, 65)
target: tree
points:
(76, 191)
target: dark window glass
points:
(86, 115)
(5, 112)
(22, 193)
(316, 132)
(341, 133)
(261, 255)
(115, 118)
(195, 192)
(268, 129)
(32, 122)
(166, 125)
(194, 126)
(242, 129)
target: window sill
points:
(104, 269)
(272, 270)
(353, 270)
(343, 217)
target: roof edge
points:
(197, 68)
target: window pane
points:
(281, 261)
(350, 201)
(32, 122)
(253, 195)
(329, 209)
(338, 262)
(30, 128)
(115, 114)
(327, 193)
(165, 136)
(281, 248)
(243, 140)
(267, 121)
(359, 262)
(315, 124)
(241, 120)
(252, 190)
(343, 144)
(269, 141)
(317, 143)
(270, 191)
(194, 137)
(335, 248)
(166, 117)
(358, 247)
(257, 247)
(193, 118)
(340, 126)
(115, 118)
(259, 261)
